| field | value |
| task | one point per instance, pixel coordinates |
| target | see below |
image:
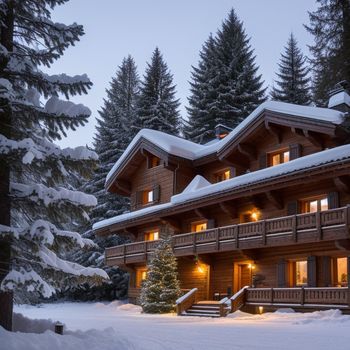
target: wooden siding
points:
(146, 179)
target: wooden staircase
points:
(206, 309)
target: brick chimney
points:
(339, 97)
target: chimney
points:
(340, 97)
(222, 131)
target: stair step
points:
(200, 314)
(202, 311)
(205, 307)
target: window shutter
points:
(263, 161)
(211, 223)
(232, 172)
(333, 200)
(282, 273)
(311, 271)
(293, 208)
(139, 197)
(294, 151)
(156, 193)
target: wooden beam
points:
(275, 199)
(343, 244)
(256, 200)
(130, 232)
(315, 139)
(247, 150)
(123, 185)
(171, 222)
(228, 209)
(342, 183)
(274, 131)
(201, 213)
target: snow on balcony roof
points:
(197, 183)
(197, 192)
(190, 150)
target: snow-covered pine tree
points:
(330, 26)
(161, 287)
(158, 107)
(198, 127)
(37, 212)
(293, 83)
(114, 132)
(233, 90)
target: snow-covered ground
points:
(120, 326)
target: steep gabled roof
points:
(179, 147)
(237, 184)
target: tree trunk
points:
(6, 299)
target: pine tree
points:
(231, 89)
(114, 133)
(293, 86)
(37, 212)
(158, 108)
(330, 26)
(161, 288)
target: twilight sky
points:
(116, 28)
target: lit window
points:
(153, 161)
(199, 226)
(342, 272)
(279, 157)
(147, 196)
(301, 273)
(223, 175)
(152, 236)
(314, 205)
(141, 275)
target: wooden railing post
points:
(217, 233)
(194, 243)
(236, 235)
(272, 292)
(263, 232)
(145, 250)
(294, 228)
(124, 254)
(302, 297)
(318, 225)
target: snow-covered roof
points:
(199, 189)
(189, 150)
(338, 99)
(197, 183)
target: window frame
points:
(147, 234)
(150, 161)
(198, 223)
(220, 173)
(281, 152)
(306, 203)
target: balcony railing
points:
(327, 225)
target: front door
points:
(244, 275)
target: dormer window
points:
(279, 157)
(153, 161)
(148, 196)
(223, 175)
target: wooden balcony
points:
(296, 229)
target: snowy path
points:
(123, 327)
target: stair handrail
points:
(186, 301)
(238, 299)
(222, 305)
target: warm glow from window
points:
(251, 266)
(279, 158)
(200, 226)
(254, 216)
(301, 273)
(153, 161)
(314, 205)
(152, 236)
(223, 175)
(147, 197)
(342, 272)
(141, 275)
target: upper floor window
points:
(148, 197)
(223, 175)
(152, 235)
(275, 158)
(315, 204)
(199, 226)
(153, 161)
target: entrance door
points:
(244, 275)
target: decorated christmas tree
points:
(161, 287)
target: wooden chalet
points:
(261, 215)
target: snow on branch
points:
(50, 260)
(26, 279)
(50, 196)
(66, 108)
(41, 152)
